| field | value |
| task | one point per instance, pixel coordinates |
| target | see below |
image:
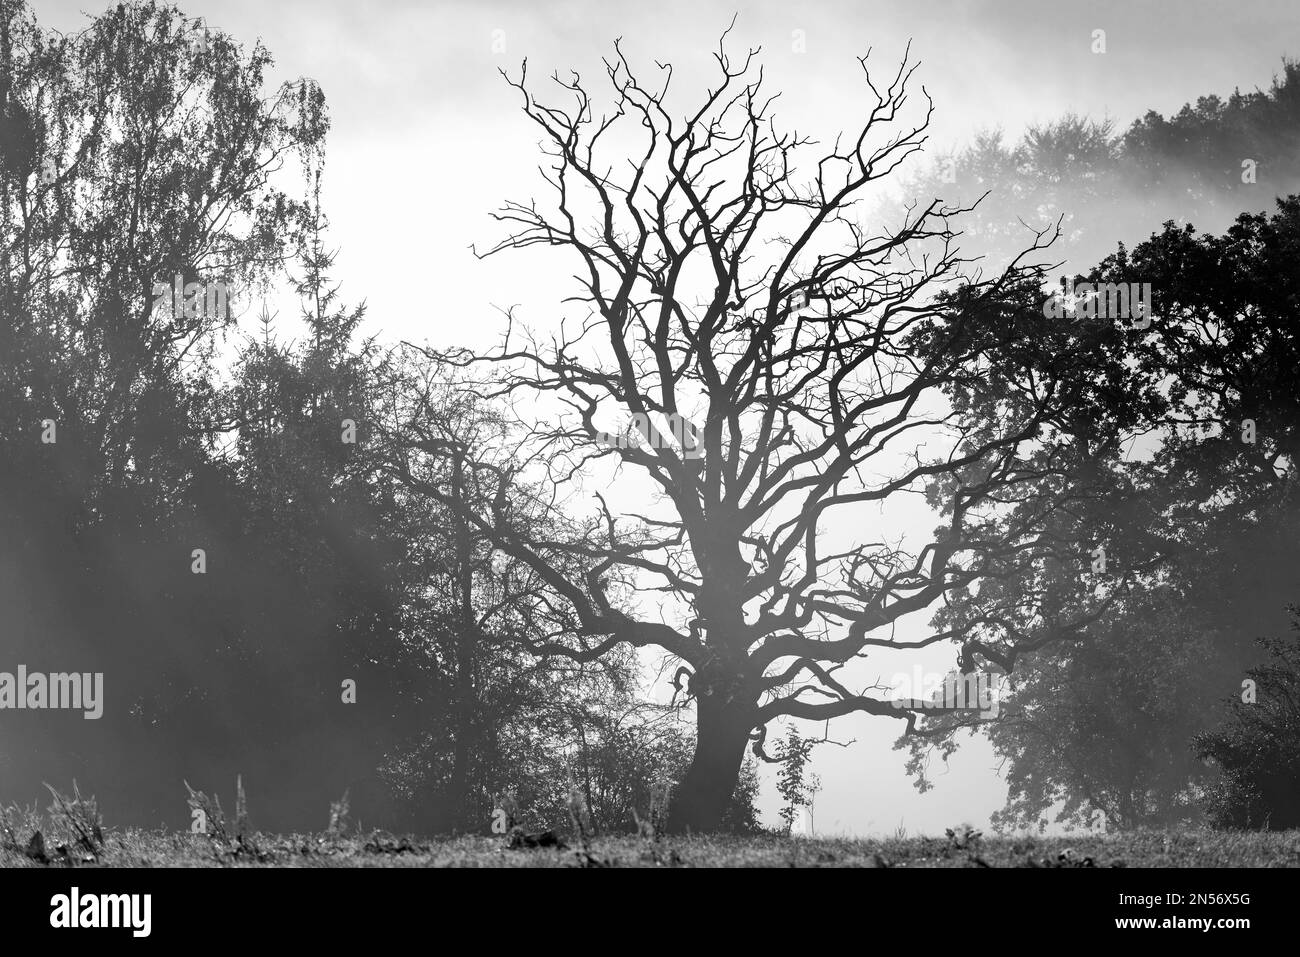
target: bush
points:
(1257, 750)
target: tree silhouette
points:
(817, 361)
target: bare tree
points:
(814, 361)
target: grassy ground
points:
(1147, 849)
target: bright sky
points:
(427, 139)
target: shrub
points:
(1257, 749)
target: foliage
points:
(796, 791)
(1198, 528)
(1257, 748)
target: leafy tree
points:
(131, 156)
(1104, 727)
(794, 754)
(326, 540)
(1200, 524)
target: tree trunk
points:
(702, 797)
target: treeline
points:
(1203, 166)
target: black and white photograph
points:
(661, 436)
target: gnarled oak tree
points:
(820, 363)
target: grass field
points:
(136, 848)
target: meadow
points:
(159, 848)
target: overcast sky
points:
(427, 139)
